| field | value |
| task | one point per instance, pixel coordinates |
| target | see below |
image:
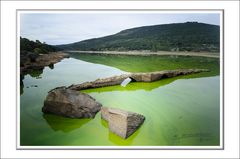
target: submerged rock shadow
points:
(117, 140)
(58, 123)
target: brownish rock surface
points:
(70, 103)
(121, 122)
(136, 77)
(36, 62)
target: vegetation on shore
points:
(30, 50)
(189, 36)
(37, 47)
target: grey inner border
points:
(106, 147)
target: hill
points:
(189, 36)
(37, 47)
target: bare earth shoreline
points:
(148, 53)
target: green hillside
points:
(189, 36)
(37, 47)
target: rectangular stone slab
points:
(121, 122)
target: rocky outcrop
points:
(135, 77)
(31, 61)
(70, 103)
(121, 122)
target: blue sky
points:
(63, 28)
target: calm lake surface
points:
(179, 111)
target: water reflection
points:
(133, 86)
(21, 89)
(118, 140)
(153, 63)
(36, 73)
(65, 125)
(51, 66)
(122, 142)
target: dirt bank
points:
(148, 53)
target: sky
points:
(65, 28)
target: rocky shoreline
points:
(31, 61)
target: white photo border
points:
(219, 11)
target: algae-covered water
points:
(179, 111)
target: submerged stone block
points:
(135, 77)
(121, 122)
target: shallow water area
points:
(180, 111)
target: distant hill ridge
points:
(189, 36)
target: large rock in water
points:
(121, 122)
(70, 103)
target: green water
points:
(179, 111)
(152, 63)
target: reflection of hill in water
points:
(21, 89)
(34, 74)
(65, 125)
(132, 63)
